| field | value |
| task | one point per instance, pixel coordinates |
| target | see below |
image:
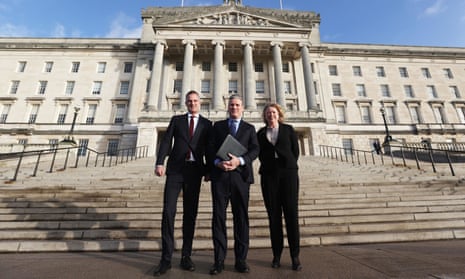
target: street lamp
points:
(388, 137)
(69, 137)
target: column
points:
(217, 102)
(187, 67)
(249, 90)
(155, 79)
(278, 74)
(308, 77)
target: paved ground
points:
(432, 259)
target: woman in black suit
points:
(279, 152)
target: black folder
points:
(230, 145)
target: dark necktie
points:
(233, 127)
(191, 134)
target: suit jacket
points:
(246, 135)
(178, 130)
(286, 148)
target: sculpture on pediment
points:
(238, 2)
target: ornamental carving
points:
(233, 19)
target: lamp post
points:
(388, 137)
(69, 137)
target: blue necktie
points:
(233, 127)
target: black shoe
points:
(162, 268)
(217, 268)
(241, 266)
(187, 264)
(275, 263)
(296, 264)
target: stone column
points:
(278, 74)
(308, 77)
(187, 67)
(249, 77)
(218, 89)
(155, 79)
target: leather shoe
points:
(296, 264)
(162, 268)
(217, 268)
(242, 267)
(275, 263)
(187, 264)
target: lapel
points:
(197, 129)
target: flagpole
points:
(281, 4)
(182, 3)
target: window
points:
(205, 106)
(286, 67)
(336, 87)
(14, 86)
(62, 113)
(365, 114)
(128, 67)
(22, 141)
(439, 115)
(232, 87)
(385, 90)
(461, 114)
(69, 87)
(357, 71)
(260, 87)
(205, 86)
(33, 114)
(287, 87)
(97, 88)
(415, 114)
(390, 114)
(112, 149)
(42, 87)
(340, 114)
(348, 146)
(53, 143)
(259, 67)
(448, 73)
(5, 111)
(90, 119)
(403, 72)
(431, 91)
(425, 72)
(232, 66)
(408, 89)
(380, 71)
(48, 67)
(454, 91)
(332, 70)
(119, 114)
(83, 144)
(75, 67)
(124, 87)
(206, 66)
(101, 66)
(21, 66)
(361, 90)
(177, 88)
(179, 66)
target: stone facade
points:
(126, 90)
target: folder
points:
(230, 145)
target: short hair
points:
(190, 93)
(235, 96)
(278, 108)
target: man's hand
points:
(159, 170)
(229, 165)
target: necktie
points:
(233, 127)
(191, 134)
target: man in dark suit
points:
(185, 168)
(231, 181)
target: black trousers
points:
(189, 182)
(230, 187)
(280, 191)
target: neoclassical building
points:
(122, 92)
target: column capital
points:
(188, 42)
(219, 42)
(156, 42)
(276, 43)
(248, 43)
(305, 44)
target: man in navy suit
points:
(230, 181)
(185, 168)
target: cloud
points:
(121, 27)
(437, 8)
(10, 30)
(59, 31)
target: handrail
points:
(52, 156)
(434, 157)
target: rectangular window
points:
(287, 87)
(259, 67)
(69, 87)
(390, 115)
(260, 87)
(124, 87)
(439, 115)
(232, 87)
(332, 70)
(232, 67)
(128, 67)
(5, 111)
(90, 119)
(340, 114)
(53, 143)
(365, 114)
(42, 87)
(408, 89)
(206, 66)
(14, 86)
(385, 90)
(357, 70)
(361, 90)
(75, 67)
(336, 87)
(380, 71)
(177, 88)
(454, 91)
(48, 67)
(348, 146)
(205, 86)
(205, 106)
(425, 72)
(431, 91)
(119, 114)
(83, 144)
(101, 67)
(97, 88)
(285, 67)
(179, 66)
(112, 149)
(62, 114)
(461, 114)
(22, 141)
(33, 114)
(21, 66)
(415, 114)
(403, 72)
(448, 73)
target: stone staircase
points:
(119, 208)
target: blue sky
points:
(392, 22)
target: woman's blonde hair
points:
(278, 108)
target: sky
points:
(389, 22)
